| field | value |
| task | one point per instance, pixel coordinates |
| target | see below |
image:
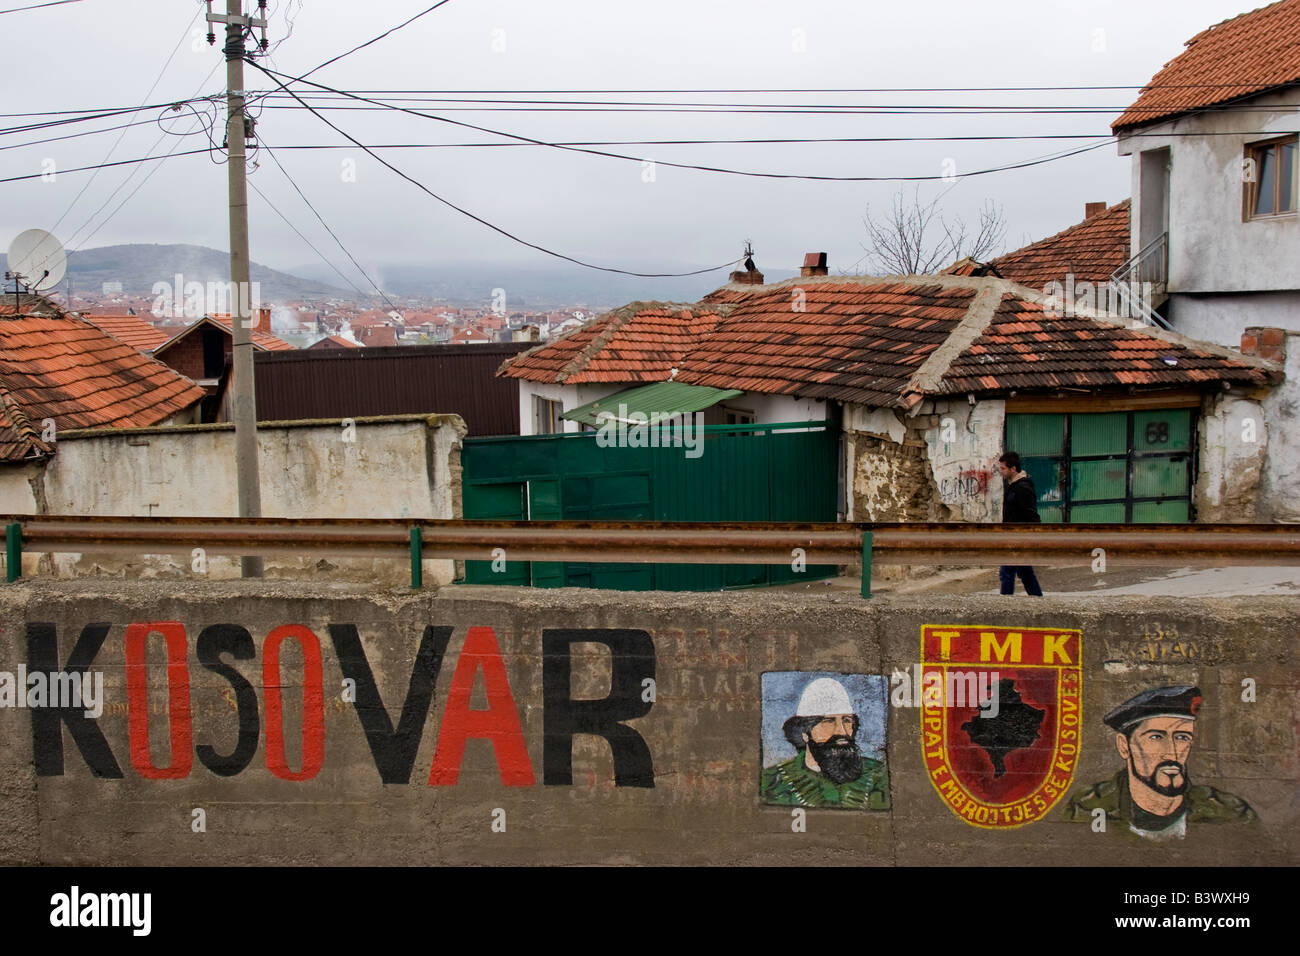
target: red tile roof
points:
(880, 343)
(1090, 251)
(379, 335)
(334, 341)
(1248, 54)
(68, 370)
(854, 342)
(641, 342)
(262, 339)
(131, 329)
(1024, 348)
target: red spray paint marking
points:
(499, 723)
(313, 703)
(180, 726)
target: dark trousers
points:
(1008, 574)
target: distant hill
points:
(138, 266)
(544, 285)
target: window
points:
(546, 416)
(737, 416)
(1128, 466)
(1270, 173)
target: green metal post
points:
(417, 559)
(13, 551)
(866, 564)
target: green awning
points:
(664, 398)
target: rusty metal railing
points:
(1194, 545)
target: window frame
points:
(1133, 455)
(546, 415)
(1251, 189)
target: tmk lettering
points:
(393, 747)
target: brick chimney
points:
(750, 274)
(1265, 343)
(1091, 209)
(814, 264)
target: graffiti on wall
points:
(1152, 794)
(1008, 763)
(968, 484)
(823, 741)
(393, 744)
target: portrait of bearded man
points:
(829, 769)
(1153, 794)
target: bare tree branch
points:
(914, 238)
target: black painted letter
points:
(47, 730)
(215, 640)
(394, 753)
(633, 654)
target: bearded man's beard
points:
(839, 758)
(1164, 789)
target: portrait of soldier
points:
(1153, 794)
(829, 769)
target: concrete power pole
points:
(244, 403)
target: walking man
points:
(1019, 505)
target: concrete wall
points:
(935, 466)
(383, 467)
(1234, 438)
(941, 464)
(1222, 319)
(268, 744)
(1211, 248)
(965, 466)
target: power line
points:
(118, 141)
(495, 228)
(691, 166)
(376, 39)
(158, 142)
(37, 6)
(878, 89)
(1158, 112)
(84, 132)
(779, 141)
(333, 235)
(313, 248)
(120, 162)
(1244, 84)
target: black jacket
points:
(1020, 501)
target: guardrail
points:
(1152, 545)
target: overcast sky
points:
(108, 53)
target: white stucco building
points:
(1216, 189)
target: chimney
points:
(1091, 209)
(750, 275)
(1265, 343)
(814, 264)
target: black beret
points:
(1182, 701)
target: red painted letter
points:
(180, 727)
(313, 703)
(499, 723)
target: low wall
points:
(275, 723)
(400, 466)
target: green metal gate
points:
(778, 472)
(1130, 467)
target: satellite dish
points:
(38, 259)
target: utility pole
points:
(238, 128)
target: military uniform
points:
(1200, 805)
(793, 784)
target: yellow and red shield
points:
(1005, 763)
